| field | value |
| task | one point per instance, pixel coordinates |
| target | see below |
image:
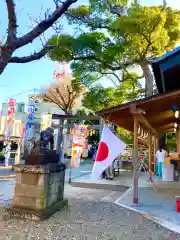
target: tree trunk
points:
(5, 55)
(149, 79)
(149, 92)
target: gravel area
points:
(86, 219)
(91, 215)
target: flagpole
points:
(102, 124)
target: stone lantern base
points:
(39, 191)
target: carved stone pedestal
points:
(39, 191)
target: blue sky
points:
(21, 77)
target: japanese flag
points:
(110, 147)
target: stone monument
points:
(39, 189)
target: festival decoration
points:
(61, 70)
(46, 121)
(31, 111)
(82, 130)
(11, 107)
(77, 150)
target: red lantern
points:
(58, 76)
(10, 112)
(12, 102)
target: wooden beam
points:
(135, 162)
(72, 117)
(167, 126)
(68, 126)
(145, 123)
(162, 123)
(167, 130)
(153, 99)
(155, 117)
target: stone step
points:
(104, 186)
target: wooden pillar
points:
(61, 155)
(155, 150)
(135, 163)
(178, 139)
(150, 155)
(58, 138)
(60, 141)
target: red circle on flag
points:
(103, 152)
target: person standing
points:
(2, 152)
(160, 155)
(7, 153)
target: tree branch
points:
(113, 81)
(61, 97)
(44, 24)
(48, 98)
(32, 57)
(12, 21)
(113, 68)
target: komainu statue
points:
(42, 150)
(47, 139)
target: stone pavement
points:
(6, 172)
(84, 169)
(159, 206)
(91, 215)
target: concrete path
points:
(6, 172)
(91, 214)
(84, 169)
(158, 206)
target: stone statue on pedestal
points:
(42, 151)
(47, 139)
(39, 190)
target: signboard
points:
(78, 144)
(31, 111)
(46, 121)
(11, 107)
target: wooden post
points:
(135, 162)
(58, 138)
(178, 139)
(150, 156)
(61, 156)
(60, 145)
(154, 151)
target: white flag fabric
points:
(110, 147)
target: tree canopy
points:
(115, 36)
(66, 94)
(98, 97)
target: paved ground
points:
(83, 170)
(87, 219)
(159, 205)
(91, 215)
